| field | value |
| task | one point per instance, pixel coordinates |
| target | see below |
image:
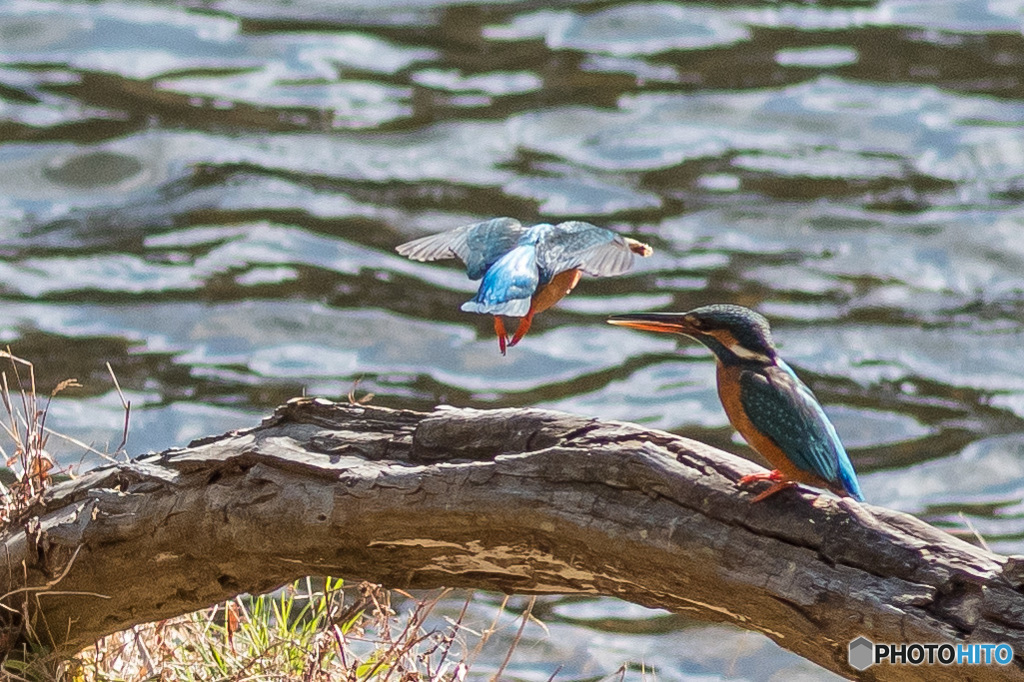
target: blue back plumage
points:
(783, 408)
(509, 284)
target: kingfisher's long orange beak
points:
(674, 323)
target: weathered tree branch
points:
(517, 500)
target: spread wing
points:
(478, 245)
(575, 244)
(782, 407)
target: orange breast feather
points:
(729, 392)
(559, 286)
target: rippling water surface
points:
(208, 197)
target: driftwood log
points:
(518, 500)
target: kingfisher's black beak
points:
(675, 323)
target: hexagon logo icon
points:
(862, 653)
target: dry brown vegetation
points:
(307, 632)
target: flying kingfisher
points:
(765, 401)
(526, 270)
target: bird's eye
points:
(695, 322)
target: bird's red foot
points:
(499, 329)
(773, 475)
(780, 482)
(524, 326)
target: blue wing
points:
(575, 244)
(781, 406)
(478, 245)
(508, 285)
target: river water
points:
(208, 196)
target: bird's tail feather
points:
(848, 479)
(515, 308)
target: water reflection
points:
(209, 199)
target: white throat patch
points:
(739, 351)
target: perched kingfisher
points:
(765, 401)
(526, 270)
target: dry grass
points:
(25, 436)
(301, 634)
(30, 470)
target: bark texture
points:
(517, 500)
